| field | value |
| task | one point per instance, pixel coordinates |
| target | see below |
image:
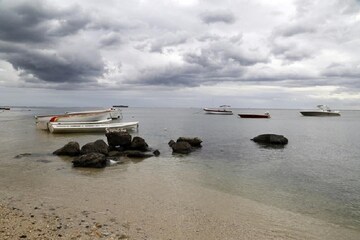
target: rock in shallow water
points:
(181, 147)
(70, 149)
(91, 160)
(99, 146)
(271, 139)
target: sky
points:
(180, 53)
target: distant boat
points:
(85, 116)
(222, 110)
(92, 127)
(120, 106)
(322, 111)
(4, 108)
(253, 115)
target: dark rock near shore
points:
(91, 160)
(70, 149)
(156, 153)
(181, 147)
(139, 143)
(118, 138)
(137, 154)
(271, 139)
(171, 142)
(194, 142)
(99, 146)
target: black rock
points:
(271, 139)
(156, 152)
(137, 154)
(181, 147)
(171, 142)
(91, 160)
(99, 146)
(194, 142)
(139, 143)
(70, 149)
(118, 138)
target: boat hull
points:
(245, 115)
(218, 111)
(319, 114)
(88, 128)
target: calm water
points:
(317, 173)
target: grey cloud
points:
(342, 70)
(217, 16)
(37, 22)
(295, 29)
(167, 40)
(72, 66)
(222, 53)
(170, 76)
(110, 39)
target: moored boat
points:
(253, 115)
(88, 128)
(222, 110)
(322, 111)
(85, 116)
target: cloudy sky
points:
(180, 53)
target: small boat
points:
(253, 115)
(87, 128)
(4, 108)
(120, 106)
(322, 111)
(222, 110)
(85, 116)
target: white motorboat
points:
(57, 127)
(322, 111)
(222, 110)
(85, 116)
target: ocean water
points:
(316, 174)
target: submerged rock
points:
(137, 154)
(194, 142)
(271, 139)
(91, 160)
(70, 149)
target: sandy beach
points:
(138, 204)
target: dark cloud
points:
(223, 53)
(73, 65)
(217, 16)
(110, 39)
(37, 22)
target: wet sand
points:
(134, 202)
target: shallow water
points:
(316, 174)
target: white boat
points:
(222, 110)
(115, 113)
(85, 116)
(322, 111)
(86, 127)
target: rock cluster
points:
(99, 154)
(185, 145)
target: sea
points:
(316, 174)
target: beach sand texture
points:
(138, 204)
